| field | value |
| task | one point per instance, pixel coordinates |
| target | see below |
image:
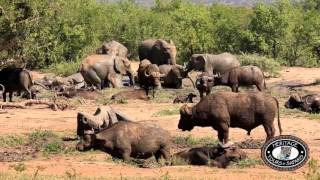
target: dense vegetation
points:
(44, 32)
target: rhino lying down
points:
(126, 140)
(213, 156)
(103, 118)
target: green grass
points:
(49, 143)
(246, 163)
(189, 141)
(298, 113)
(11, 141)
(167, 112)
(63, 68)
(20, 167)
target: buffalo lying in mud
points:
(126, 140)
(213, 156)
(309, 103)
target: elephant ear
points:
(119, 65)
(296, 97)
(159, 44)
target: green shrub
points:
(63, 68)
(246, 163)
(269, 65)
(11, 141)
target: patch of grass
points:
(49, 143)
(166, 112)
(163, 96)
(11, 141)
(313, 172)
(107, 101)
(63, 68)
(189, 141)
(299, 113)
(19, 167)
(246, 163)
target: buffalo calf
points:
(214, 156)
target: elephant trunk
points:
(3, 88)
(131, 77)
(194, 86)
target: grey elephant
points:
(173, 76)
(212, 64)
(113, 48)
(104, 117)
(75, 80)
(100, 70)
(158, 51)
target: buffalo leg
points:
(10, 96)
(126, 155)
(270, 130)
(4, 96)
(201, 94)
(235, 88)
(223, 133)
(260, 86)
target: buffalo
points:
(308, 103)
(204, 83)
(126, 140)
(213, 156)
(184, 98)
(222, 110)
(14, 79)
(241, 76)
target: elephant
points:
(104, 117)
(113, 48)
(100, 70)
(158, 51)
(149, 76)
(212, 64)
(173, 75)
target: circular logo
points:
(285, 153)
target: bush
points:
(268, 65)
(63, 68)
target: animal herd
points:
(117, 134)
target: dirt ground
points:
(95, 165)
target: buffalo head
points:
(294, 101)
(86, 143)
(186, 122)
